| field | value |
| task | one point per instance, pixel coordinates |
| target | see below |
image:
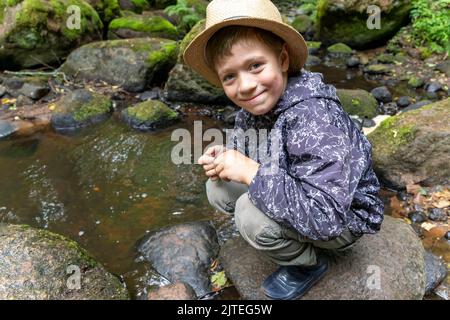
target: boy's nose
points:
(247, 84)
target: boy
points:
(324, 192)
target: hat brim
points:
(194, 54)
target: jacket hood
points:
(304, 86)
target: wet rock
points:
(183, 253)
(36, 32)
(435, 271)
(6, 128)
(378, 69)
(14, 83)
(368, 123)
(312, 61)
(437, 214)
(40, 265)
(390, 108)
(386, 58)
(422, 137)
(176, 291)
(78, 109)
(433, 86)
(353, 62)
(149, 115)
(417, 216)
(357, 121)
(301, 23)
(2, 91)
(404, 101)
(416, 105)
(23, 100)
(358, 102)
(132, 63)
(403, 196)
(444, 67)
(395, 253)
(382, 94)
(34, 91)
(149, 95)
(447, 235)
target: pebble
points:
(447, 235)
(404, 101)
(353, 62)
(80, 233)
(144, 195)
(433, 86)
(417, 216)
(389, 108)
(437, 214)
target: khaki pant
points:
(281, 244)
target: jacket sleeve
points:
(314, 189)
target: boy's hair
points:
(220, 44)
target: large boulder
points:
(186, 85)
(38, 264)
(387, 265)
(183, 253)
(346, 21)
(358, 102)
(414, 147)
(131, 63)
(37, 32)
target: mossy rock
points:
(415, 82)
(149, 115)
(141, 26)
(161, 4)
(36, 32)
(301, 23)
(199, 27)
(358, 102)
(80, 108)
(37, 265)
(414, 147)
(106, 9)
(339, 49)
(314, 44)
(378, 69)
(386, 58)
(132, 63)
(346, 21)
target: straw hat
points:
(254, 13)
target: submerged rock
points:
(38, 264)
(435, 271)
(387, 265)
(183, 253)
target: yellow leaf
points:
(52, 106)
(441, 204)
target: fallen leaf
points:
(427, 226)
(52, 106)
(218, 280)
(441, 204)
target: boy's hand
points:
(233, 165)
(207, 160)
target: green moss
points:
(389, 136)
(314, 44)
(358, 102)
(339, 48)
(152, 110)
(415, 82)
(98, 105)
(385, 58)
(166, 53)
(144, 24)
(378, 69)
(301, 23)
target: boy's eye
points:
(256, 65)
(227, 77)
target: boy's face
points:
(254, 77)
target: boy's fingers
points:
(205, 159)
(211, 173)
(214, 178)
(208, 167)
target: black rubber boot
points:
(292, 282)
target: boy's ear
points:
(284, 58)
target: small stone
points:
(389, 108)
(403, 196)
(404, 101)
(417, 105)
(417, 216)
(377, 69)
(97, 222)
(447, 235)
(149, 95)
(433, 86)
(368, 123)
(353, 62)
(176, 291)
(80, 233)
(2, 91)
(144, 195)
(382, 94)
(437, 214)
(415, 82)
(312, 61)
(23, 100)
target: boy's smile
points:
(253, 76)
